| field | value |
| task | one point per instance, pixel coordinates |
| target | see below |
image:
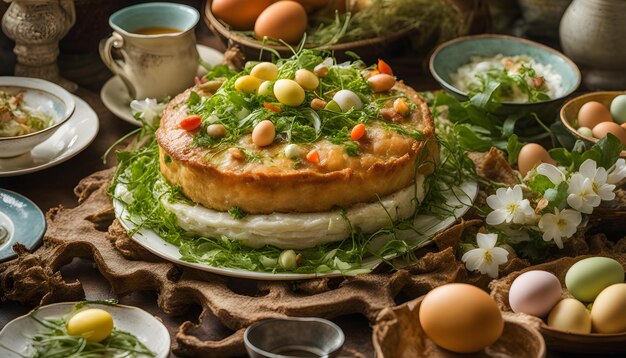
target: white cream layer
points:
(298, 230)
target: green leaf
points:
(193, 100)
(513, 147)
(562, 156)
(540, 183)
(483, 98)
(610, 147)
(470, 140)
(557, 197)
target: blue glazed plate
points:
(21, 221)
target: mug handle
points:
(106, 46)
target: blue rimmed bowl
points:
(21, 221)
(451, 55)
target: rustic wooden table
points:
(54, 186)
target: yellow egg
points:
(239, 14)
(265, 89)
(608, 314)
(307, 79)
(461, 318)
(285, 20)
(263, 133)
(531, 155)
(265, 71)
(289, 92)
(600, 131)
(247, 84)
(93, 324)
(570, 315)
(593, 113)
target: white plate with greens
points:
(459, 199)
(16, 338)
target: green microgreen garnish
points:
(240, 112)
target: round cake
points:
(319, 175)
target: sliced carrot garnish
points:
(313, 156)
(272, 107)
(383, 67)
(358, 131)
(190, 123)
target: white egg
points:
(347, 100)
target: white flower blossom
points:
(598, 177)
(561, 224)
(617, 172)
(581, 195)
(149, 109)
(508, 205)
(486, 258)
(552, 172)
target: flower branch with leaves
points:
(550, 204)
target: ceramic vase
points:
(36, 26)
(593, 34)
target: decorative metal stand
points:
(36, 26)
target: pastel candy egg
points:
(608, 314)
(618, 109)
(289, 92)
(347, 100)
(588, 277)
(265, 71)
(535, 293)
(570, 315)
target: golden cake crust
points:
(270, 183)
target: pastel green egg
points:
(618, 109)
(588, 277)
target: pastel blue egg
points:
(618, 109)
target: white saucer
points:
(70, 139)
(114, 93)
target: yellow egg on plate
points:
(93, 324)
(461, 318)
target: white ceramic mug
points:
(159, 64)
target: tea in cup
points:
(157, 46)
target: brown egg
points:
(239, 14)
(624, 125)
(286, 20)
(603, 128)
(592, 113)
(311, 5)
(531, 155)
(461, 318)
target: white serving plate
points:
(461, 198)
(149, 330)
(70, 139)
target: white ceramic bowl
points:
(41, 95)
(150, 331)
